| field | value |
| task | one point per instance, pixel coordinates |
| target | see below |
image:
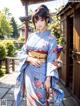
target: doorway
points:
(69, 52)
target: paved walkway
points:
(7, 88)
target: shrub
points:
(9, 44)
(2, 51)
(1, 73)
(2, 56)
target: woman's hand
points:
(47, 84)
(35, 62)
(57, 64)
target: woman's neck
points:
(43, 30)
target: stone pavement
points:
(7, 88)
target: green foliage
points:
(55, 25)
(2, 72)
(7, 12)
(61, 41)
(21, 39)
(56, 29)
(15, 33)
(2, 69)
(5, 27)
(2, 51)
(9, 44)
(2, 56)
(6, 49)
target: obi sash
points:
(42, 55)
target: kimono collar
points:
(43, 33)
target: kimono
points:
(34, 77)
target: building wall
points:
(74, 13)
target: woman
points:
(37, 67)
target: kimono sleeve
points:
(52, 56)
(22, 55)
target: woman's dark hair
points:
(45, 7)
(42, 12)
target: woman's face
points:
(41, 25)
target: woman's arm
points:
(52, 56)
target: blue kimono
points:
(34, 77)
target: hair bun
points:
(43, 12)
(47, 10)
(45, 7)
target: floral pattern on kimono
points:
(34, 77)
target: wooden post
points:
(10, 64)
(26, 22)
(7, 65)
(13, 65)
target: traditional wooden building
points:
(70, 23)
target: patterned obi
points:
(42, 55)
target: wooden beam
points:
(26, 23)
(34, 1)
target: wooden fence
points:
(10, 63)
